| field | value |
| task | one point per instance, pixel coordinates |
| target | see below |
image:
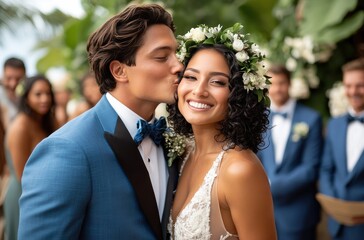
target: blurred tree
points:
(10, 13)
(67, 48)
(14, 14)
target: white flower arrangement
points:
(338, 102)
(302, 54)
(300, 130)
(301, 48)
(299, 88)
(248, 54)
(175, 144)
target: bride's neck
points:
(207, 141)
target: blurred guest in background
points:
(90, 92)
(62, 96)
(291, 159)
(14, 72)
(342, 169)
(34, 122)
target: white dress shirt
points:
(152, 155)
(281, 128)
(354, 141)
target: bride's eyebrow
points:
(219, 74)
(192, 69)
(211, 73)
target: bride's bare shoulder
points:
(241, 164)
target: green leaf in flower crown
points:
(209, 41)
(259, 94)
(189, 43)
(229, 45)
(266, 101)
(237, 27)
(223, 37)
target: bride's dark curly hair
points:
(247, 118)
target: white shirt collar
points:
(127, 115)
(288, 107)
(355, 114)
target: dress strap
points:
(217, 225)
(184, 163)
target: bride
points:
(223, 191)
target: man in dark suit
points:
(291, 159)
(90, 179)
(342, 169)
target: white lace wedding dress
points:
(201, 217)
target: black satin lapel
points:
(132, 163)
(171, 187)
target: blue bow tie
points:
(154, 131)
(352, 119)
(282, 114)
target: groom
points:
(90, 179)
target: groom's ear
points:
(118, 71)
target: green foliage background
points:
(334, 22)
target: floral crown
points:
(249, 57)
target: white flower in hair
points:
(229, 35)
(197, 34)
(256, 48)
(213, 30)
(238, 44)
(182, 53)
(249, 80)
(261, 69)
(241, 56)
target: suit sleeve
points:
(327, 166)
(56, 188)
(306, 173)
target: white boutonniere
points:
(300, 130)
(175, 144)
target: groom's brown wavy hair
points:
(120, 37)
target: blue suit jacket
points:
(88, 181)
(335, 180)
(293, 182)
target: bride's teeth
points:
(199, 105)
